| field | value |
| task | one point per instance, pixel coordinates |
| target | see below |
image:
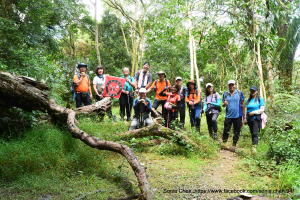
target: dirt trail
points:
(181, 178)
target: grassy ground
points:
(47, 163)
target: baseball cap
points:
(231, 82)
(142, 90)
(209, 84)
(178, 78)
(254, 88)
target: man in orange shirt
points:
(83, 87)
(159, 85)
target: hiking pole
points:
(128, 101)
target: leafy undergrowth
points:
(46, 162)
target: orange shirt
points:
(173, 98)
(84, 85)
(160, 86)
(193, 95)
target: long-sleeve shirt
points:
(147, 108)
(174, 99)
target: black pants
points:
(237, 122)
(212, 125)
(158, 102)
(171, 115)
(182, 115)
(126, 102)
(79, 100)
(254, 128)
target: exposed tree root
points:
(158, 130)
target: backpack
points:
(219, 107)
(156, 83)
(73, 87)
(240, 95)
(188, 94)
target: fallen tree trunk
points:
(158, 130)
(29, 94)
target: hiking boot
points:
(198, 129)
(234, 143)
(215, 137)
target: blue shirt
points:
(234, 107)
(254, 105)
(127, 85)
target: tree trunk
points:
(262, 85)
(270, 80)
(173, 69)
(29, 94)
(191, 56)
(96, 35)
(195, 64)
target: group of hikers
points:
(174, 98)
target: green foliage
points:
(289, 175)
(285, 127)
(45, 148)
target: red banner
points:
(113, 86)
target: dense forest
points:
(43, 155)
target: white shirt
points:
(98, 80)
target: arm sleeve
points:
(94, 80)
(75, 78)
(136, 75)
(218, 103)
(148, 107)
(150, 78)
(205, 106)
(135, 105)
(242, 96)
(258, 112)
(153, 84)
(162, 93)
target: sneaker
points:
(254, 148)
(128, 119)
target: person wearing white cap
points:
(212, 107)
(142, 107)
(233, 100)
(182, 94)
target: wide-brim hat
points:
(161, 72)
(190, 82)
